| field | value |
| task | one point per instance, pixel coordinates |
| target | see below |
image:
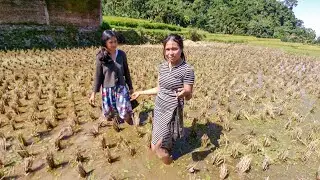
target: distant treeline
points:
(260, 18)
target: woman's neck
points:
(112, 52)
(176, 63)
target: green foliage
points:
(46, 37)
(260, 18)
(155, 36)
(304, 35)
(105, 26)
(159, 26)
(139, 36)
(136, 23)
(129, 37)
(260, 27)
(317, 41)
(194, 35)
(290, 3)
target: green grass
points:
(295, 48)
(115, 18)
(122, 23)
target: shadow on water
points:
(192, 141)
(145, 115)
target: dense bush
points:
(135, 23)
(105, 26)
(159, 26)
(47, 37)
(194, 35)
(129, 37)
(139, 36)
(303, 35)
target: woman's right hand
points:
(92, 99)
(135, 95)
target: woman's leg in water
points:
(162, 153)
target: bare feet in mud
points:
(162, 153)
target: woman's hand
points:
(135, 95)
(92, 99)
(185, 92)
(131, 91)
(180, 93)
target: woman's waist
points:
(113, 83)
(167, 96)
(115, 86)
(168, 100)
(167, 92)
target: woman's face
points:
(112, 44)
(172, 52)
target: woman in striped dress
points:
(175, 84)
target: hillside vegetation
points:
(137, 31)
(260, 18)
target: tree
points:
(290, 3)
(317, 40)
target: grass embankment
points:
(297, 48)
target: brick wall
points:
(53, 12)
(19, 11)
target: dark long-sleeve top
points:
(109, 76)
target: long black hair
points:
(103, 54)
(176, 38)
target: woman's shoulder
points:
(99, 55)
(187, 66)
(101, 50)
(121, 52)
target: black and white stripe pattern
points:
(169, 81)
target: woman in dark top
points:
(175, 83)
(112, 76)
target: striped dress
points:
(168, 123)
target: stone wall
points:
(19, 11)
(51, 12)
